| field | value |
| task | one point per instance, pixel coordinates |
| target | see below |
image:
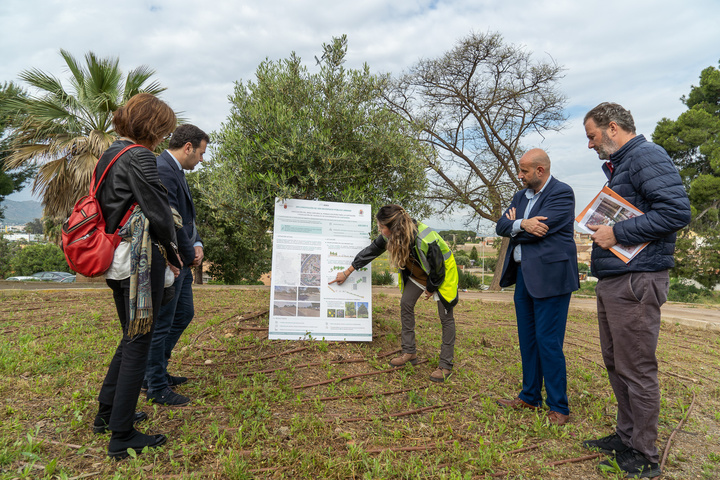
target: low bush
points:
(468, 281)
(382, 278)
(681, 292)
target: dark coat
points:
(179, 196)
(549, 263)
(645, 176)
(134, 178)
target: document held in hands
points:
(608, 208)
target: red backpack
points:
(88, 249)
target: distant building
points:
(27, 237)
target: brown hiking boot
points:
(403, 359)
(440, 374)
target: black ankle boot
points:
(100, 425)
(120, 442)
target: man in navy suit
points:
(541, 261)
(186, 149)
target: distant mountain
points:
(19, 213)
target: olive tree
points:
(295, 134)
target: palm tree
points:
(64, 132)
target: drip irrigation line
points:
(440, 407)
(241, 318)
(387, 354)
(666, 452)
(303, 365)
(349, 397)
(347, 377)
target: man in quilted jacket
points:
(629, 295)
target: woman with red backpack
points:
(137, 274)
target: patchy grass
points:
(260, 409)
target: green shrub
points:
(37, 258)
(680, 292)
(468, 281)
(586, 288)
(490, 263)
(382, 278)
(462, 260)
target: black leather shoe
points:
(120, 442)
(101, 424)
(168, 397)
(175, 381)
(633, 464)
(612, 445)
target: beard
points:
(606, 148)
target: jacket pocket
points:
(555, 257)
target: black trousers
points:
(121, 387)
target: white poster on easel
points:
(312, 242)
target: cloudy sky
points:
(643, 54)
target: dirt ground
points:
(450, 426)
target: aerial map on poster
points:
(312, 241)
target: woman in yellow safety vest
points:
(426, 266)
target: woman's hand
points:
(342, 276)
(428, 294)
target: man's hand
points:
(510, 215)
(535, 226)
(603, 236)
(199, 255)
(428, 294)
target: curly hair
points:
(145, 119)
(402, 233)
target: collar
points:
(529, 194)
(617, 157)
(176, 160)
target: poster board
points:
(312, 242)
(608, 208)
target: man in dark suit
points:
(186, 149)
(541, 261)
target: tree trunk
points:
(495, 284)
(199, 274)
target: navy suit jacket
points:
(549, 263)
(179, 196)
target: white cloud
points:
(644, 54)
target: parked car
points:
(22, 278)
(54, 276)
(63, 277)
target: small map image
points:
(310, 294)
(286, 293)
(310, 270)
(362, 309)
(290, 273)
(309, 309)
(284, 309)
(350, 311)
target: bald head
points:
(534, 169)
(537, 158)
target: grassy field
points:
(278, 409)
